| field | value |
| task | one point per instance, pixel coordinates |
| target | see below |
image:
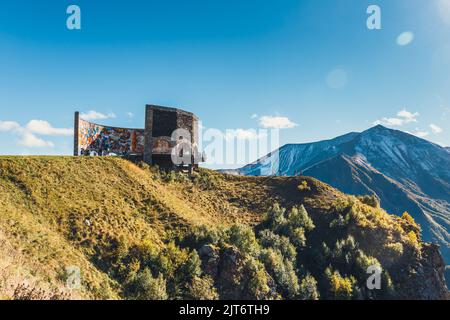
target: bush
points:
(298, 217)
(308, 288)
(275, 219)
(25, 292)
(145, 287)
(298, 237)
(408, 218)
(244, 239)
(394, 250)
(257, 279)
(371, 200)
(268, 239)
(413, 239)
(204, 180)
(201, 236)
(282, 271)
(303, 186)
(201, 289)
(341, 287)
(339, 222)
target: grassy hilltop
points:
(136, 233)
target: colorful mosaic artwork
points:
(109, 140)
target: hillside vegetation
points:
(137, 233)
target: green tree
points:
(201, 288)
(244, 239)
(308, 288)
(145, 287)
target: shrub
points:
(308, 288)
(408, 224)
(394, 250)
(201, 289)
(192, 267)
(339, 222)
(145, 287)
(303, 186)
(408, 218)
(298, 237)
(244, 239)
(363, 262)
(201, 236)
(413, 239)
(257, 279)
(345, 249)
(282, 271)
(268, 239)
(25, 292)
(298, 218)
(340, 287)
(275, 219)
(370, 200)
(205, 180)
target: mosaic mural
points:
(94, 138)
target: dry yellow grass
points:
(57, 212)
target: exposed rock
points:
(427, 280)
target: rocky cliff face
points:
(428, 282)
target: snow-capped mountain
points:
(405, 172)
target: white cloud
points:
(408, 116)
(244, 134)
(30, 140)
(403, 117)
(94, 115)
(270, 122)
(42, 127)
(389, 122)
(436, 129)
(6, 126)
(405, 38)
(28, 134)
(421, 134)
(130, 114)
(254, 116)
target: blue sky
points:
(311, 66)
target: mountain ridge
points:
(405, 172)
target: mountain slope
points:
(115, 221)
(403, 171)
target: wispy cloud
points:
(244, 134)
(420, 133)
(276, 122)
(95, 115)
(28, 134)
(403, 117)
(6, 126)
(436, 129)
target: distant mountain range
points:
(405, 172)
